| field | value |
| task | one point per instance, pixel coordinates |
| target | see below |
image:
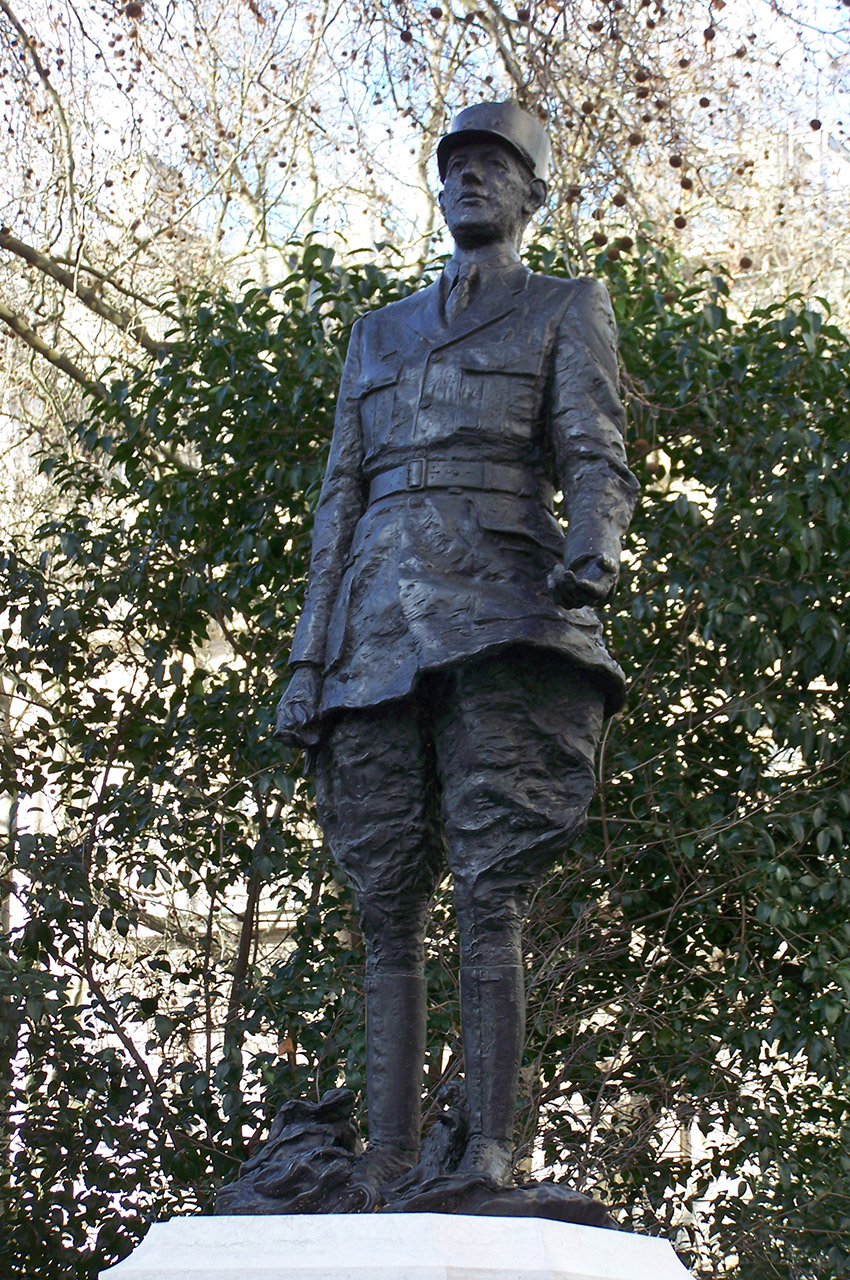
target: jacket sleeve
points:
(587, 425)
(341, 503)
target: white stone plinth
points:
(405, 1246)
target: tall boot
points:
(395, 1053)
(492, 1002)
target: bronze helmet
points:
(506, 122)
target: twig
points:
(44, 77)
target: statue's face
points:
(488, 195)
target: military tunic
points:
(412, 573)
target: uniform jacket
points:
(421, 579)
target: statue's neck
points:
(490, 257)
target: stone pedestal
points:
(415, 1246)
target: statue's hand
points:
(589, 580)
(297, 712)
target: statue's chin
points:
(473, 234)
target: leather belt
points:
(431, 473)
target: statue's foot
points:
(490, 1157)
(380, 1164)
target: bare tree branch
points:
(31, 338)
(122, 320)
(107, 277)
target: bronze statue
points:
(449, 668)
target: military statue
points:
(449, 669)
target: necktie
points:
(461, 290)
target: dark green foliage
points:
(181, 957)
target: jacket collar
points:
(496, 295)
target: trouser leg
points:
(515, 743)
(375, 792)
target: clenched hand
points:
(297, 712)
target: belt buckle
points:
(416, 468)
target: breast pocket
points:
(375, 389)
(510, 388)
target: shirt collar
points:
(501, 266)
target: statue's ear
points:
(537, 191)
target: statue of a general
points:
(449, 667)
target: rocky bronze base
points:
(307, 1165)
(478, 1197)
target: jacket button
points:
(425, 402)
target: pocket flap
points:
(374, 377)
(502, 513)
(502, 359)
